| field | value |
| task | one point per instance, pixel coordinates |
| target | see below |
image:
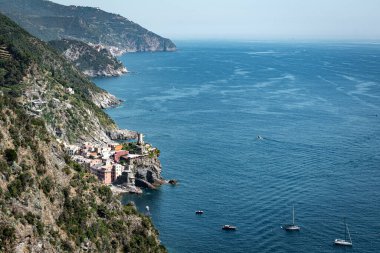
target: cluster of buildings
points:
(110, 161)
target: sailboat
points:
(344, 242)
(291, 227)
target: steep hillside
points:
(51, 21)
(49, 203)
(49, 87)
(91, 60)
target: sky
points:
(250, 19)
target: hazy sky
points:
(250, 19)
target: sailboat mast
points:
(349, 236)
(345, 229)
(293, 215)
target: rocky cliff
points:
(48, 202)
(51, 21)
(92, 60)
(147, 171)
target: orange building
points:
(118, 147)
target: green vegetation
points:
(19, 185)
(10, 155)
(7, 235)
(35, 221)
(130, 209)
(47, 185)
(130, 146)
(105, 193)
(4, 167)
(154, 153)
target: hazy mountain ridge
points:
(51, 21)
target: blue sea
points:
(316, 107)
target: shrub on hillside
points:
(10, 155)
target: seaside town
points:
(110, 161)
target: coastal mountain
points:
(53, 88)
(50, 21)
(92, 60)
(50, 203)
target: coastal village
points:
(109, 162)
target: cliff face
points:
(49, 87)
(147, 172)
(51, 21)
(148, 169)
(92, 60)
(48, 202)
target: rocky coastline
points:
(105, 100)
(109, 71)
(122, 134)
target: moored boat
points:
(229, 227)
(291, 227)
(344, 242)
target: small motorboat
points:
(199, 212)
(229, 227)
(259, 137)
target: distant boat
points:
(147, 213)
(344, 242)
(229, 227)
(291, 227)
(199, 212)
(259, 137)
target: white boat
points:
(344, 242)
(291, 227)
(229, 227)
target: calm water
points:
(316, 105)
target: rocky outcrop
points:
(122, 134)
(147, 168)
(147, 171)
(108, 71)
(172, 182)
(92, 59)
(144, 184)
(104, 99)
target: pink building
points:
(119, 154)
(104, 173)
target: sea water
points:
(316, 108)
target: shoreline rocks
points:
(104, 99)
(172, 182)
(109, 71)
(121, 189)
(122, 134)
